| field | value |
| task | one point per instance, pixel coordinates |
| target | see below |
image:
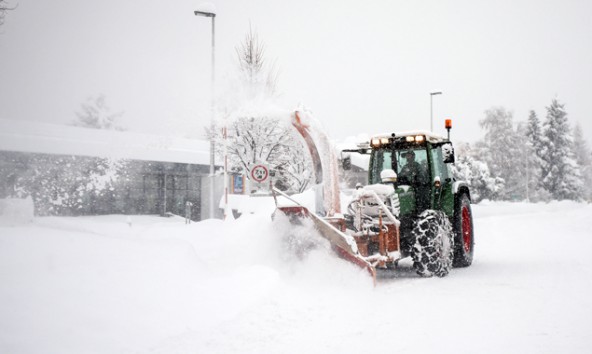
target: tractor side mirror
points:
(448, 153)
(346, 162)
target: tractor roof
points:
(431, 137)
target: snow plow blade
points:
(343, 244)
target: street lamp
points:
(211, 15)
(432, 94)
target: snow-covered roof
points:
(431, 137)
(362, 140)
(36, 137)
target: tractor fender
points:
(459, 188)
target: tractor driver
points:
(416, 175)
(412, 172)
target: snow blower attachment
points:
(332, 229)
(374, 241)
(412, 207)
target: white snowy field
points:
(154, 285)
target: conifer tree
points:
(561, 175)
(584, 160)
(533, 160)
(502, 150)
(533, 131)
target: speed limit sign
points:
(259, 173)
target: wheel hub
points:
(466, 229)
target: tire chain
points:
(433, 236)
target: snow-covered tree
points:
(97, 115)
(561, 174)
(532, 158)
(257, 130)
(584, 160)
(533, 131)
(476, 173)
(261, 139)
(260, 76)
(503, 151)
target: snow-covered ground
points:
(145, 284)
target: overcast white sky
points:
(360, 66)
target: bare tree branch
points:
(4, 7)
(253, 66)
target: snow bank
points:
(14, 211)
(265, 204)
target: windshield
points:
(411, 164)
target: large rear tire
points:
(433, 250)
(463, 232)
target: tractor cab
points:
(420, 160)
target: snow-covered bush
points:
(476, 174)
(64, 185)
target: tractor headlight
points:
(416, 138)
(378, 142)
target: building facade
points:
(76, 171)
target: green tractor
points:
(435, 226)
(412, 207)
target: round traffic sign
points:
(259, 173)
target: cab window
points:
(440, 169)
(421, 157)
(382, 160)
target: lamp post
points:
(211, 15)
(432, 94)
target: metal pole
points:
(224, 131)
(432, 110)
(212, 110)
(431, 113)
(213, 122)
(225, 135)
